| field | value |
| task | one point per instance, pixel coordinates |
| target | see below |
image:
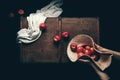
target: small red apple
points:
(42, 26)
(92, 49)
(65, 34)
(80, 54)
(11, 14)
(73, 46)
(56, 38)
(21, 11)
(79, 49)
(87, 47)
(87, 52)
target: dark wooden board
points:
(45, 51)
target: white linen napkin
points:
(32, 33)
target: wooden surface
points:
(45, 51)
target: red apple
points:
(87, 47)
(65, 34)
(11, 14)
(21, 11)
(92, 49)
(80, 54)
(42, 26)
(73, 46)
(56, 38)
(79, 49)
(87, 52)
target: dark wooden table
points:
(45, 51)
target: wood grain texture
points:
(45, 51)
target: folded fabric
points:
(32, 33)
(105, 55)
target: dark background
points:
(108, 14)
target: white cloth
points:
(32, 33)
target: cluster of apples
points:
(56, 38)
(80, 50)
(64, 35)
(84, 50)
